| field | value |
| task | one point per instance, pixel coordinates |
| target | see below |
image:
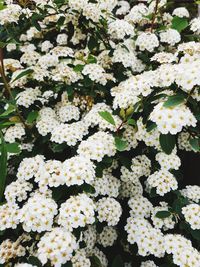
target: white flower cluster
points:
(172, 120)
(107, 237)
(163, 181)
(192, 192)
(56, 246)
(10, 250)
(77, 211)
(97, 146)
(38, 214)
(147, 41)
(192, 215)
(109, 210)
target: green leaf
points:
(167, 142)
(174, 100)
(32, 116)
(120, 144)
(150, 126)
(13, 148)
(34, 261)
(92, 43)
(88, 188)
(163, 214)
(22, 74)
(6, 124)
(3, 166)
(118, 262)
(179, 24)
(78, 68)
(195, 144)
(61, 21)
(107, 116)
(91, 59)
(95, 262)
(8, 111)
(68, 264)
(131, 122)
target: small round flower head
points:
(38, 213)
(148, 239)
(24, 265)
(9, 216)
(17, 191)
(148, 264)
(80, 259)
(183, 141)
(118, 29)
(165, 223)
(107, 185)
(192, 215)
(48, 174)
(77, 211)
(29, 167)
(168, 162)
(163, 181)
(195, 25)
(28, 97)
(14, 133)
(107, 237)
(90, 236)
(170, 37)
(77, 170)
(68, 112)
(192, 192)
(100, 255)
(97, 146)
(57, 247)
(182, 251)
(147, 41)
(141, 166)
(109, 210)
(10, 14)
(140, 207)
(181, 12)
(164, 57)
(10, 250)
(172, 120)
(61, 39)
(69, 133)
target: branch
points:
(154, 15)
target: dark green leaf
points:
(131, 122)
(13, 148)
(22, 74)
(78, 68)
(167, 142)
(91, 59)
(179, 24)
(95, 262)
(9, 110)
(195, 144)
(3, 166)
(88, 188)
(68, 264)
(32, 116)
(150, 126)
(34, 261)
(93, 43)
(61, 21)
(174, 100)
(163, 214)
(6, 124)
(107, 116)
(118, 261)
(120, 144)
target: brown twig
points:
(8, 93)
(154, 15)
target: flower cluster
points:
(99, 107)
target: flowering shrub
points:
(98, 98)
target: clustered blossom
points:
(98, 98)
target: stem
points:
(154, 15)
(8, 92)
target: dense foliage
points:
(98, 99)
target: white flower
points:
(192, 215)
(56, 246)
(147, 41)
(170, 37)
